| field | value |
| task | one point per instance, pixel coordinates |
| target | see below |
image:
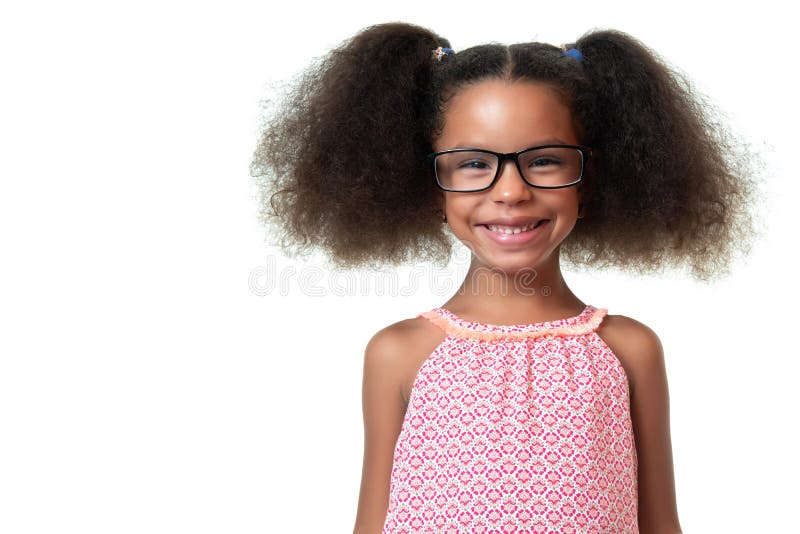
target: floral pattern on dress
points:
(516, 429)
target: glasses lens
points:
(551, 167)
(465, 171)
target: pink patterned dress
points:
(522, 428)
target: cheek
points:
(459, 207)
(565, 200)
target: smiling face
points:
(508, 117)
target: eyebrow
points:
(540, 142)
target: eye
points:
(544, 161)
(473, 164)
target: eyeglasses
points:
(466, 170)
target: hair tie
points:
(440, 52)
(573, 53)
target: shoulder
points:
(398, 350)
(386, 361)
(391, 342)
(636, 345)
(639, 350)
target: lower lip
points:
(515, 239)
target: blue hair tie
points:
(440, 52)
(574, 53)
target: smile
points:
(514, 235)
(504, 229)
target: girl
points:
(514, 406)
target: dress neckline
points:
(586, 321)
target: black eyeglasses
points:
(467, 170)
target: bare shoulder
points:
(390, 363)
(640, 351)
(393, 343)
(401, 348)
(635, 344)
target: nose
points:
(510, 188)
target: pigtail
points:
(341, 164)
(663, 166)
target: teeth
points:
(510, 229)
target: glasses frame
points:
(586, 153)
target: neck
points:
(492, 295)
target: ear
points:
(440, 201)
(588, 186)
(585, 191)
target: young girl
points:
(514, 406)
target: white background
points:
(151, 382)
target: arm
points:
(383, 410)
(658, 513)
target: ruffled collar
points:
(587, 321)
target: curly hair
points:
(340, 166)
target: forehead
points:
(506, 116)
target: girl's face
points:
(508, 117)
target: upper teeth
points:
(511, 229)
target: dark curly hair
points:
(340, 165)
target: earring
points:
(444, 217)
(580, 211)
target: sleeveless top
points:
(516, 428)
